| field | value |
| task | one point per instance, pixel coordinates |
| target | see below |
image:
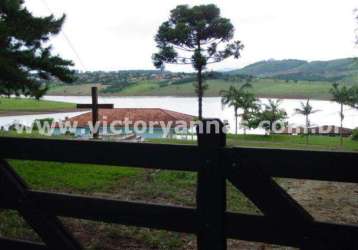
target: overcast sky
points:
(118, 34)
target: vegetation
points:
(344, 70)
(317, 142)
(341, 95)
(240, 99)
(270, 117)
(355, 135)
(306, 110)
(25, 56)
(270, 88)
(197, 36)
(24, 104)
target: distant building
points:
(329, 130)
(119, 117)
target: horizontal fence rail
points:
(314, 165)
(160, 156)
(298, 164)
(284, 221)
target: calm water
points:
(212, 108)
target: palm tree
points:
(273, 113)
(249, 104)
(238, 98)
(306, 110)
(341, 95)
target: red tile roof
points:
(133, 115)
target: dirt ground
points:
(326, 201)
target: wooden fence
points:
(284, 221)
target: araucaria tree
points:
(306, 110)
(25, 57)
(341, 95)
(198, 36)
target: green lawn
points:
(25, 104)
(69, 176)
(280, 141)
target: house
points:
(143, 122)
(329, 130)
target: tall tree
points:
(239, 99)
(25, 57)
(342, 96)
(306, 110)
(198, 36)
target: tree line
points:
(267, 115)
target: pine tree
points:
(25, 58)
(197, 36)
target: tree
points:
(353, 99)
(269, 117)
(198, 36)
(306, 110)
(239, 98)
(25, 58)
(342, 96)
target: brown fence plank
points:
(161, 156)
(211, 189)
(11, 244)
(270, 198)
(46, 225)
(263, 229)
(299, 164)
(179, 219)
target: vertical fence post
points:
(211, 186)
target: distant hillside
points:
(335, 70)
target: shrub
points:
(41, 123)
(355, 134)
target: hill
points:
(345, 70)
(273, 78)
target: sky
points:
(119, 34)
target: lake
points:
(212, 108)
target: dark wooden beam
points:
(270, 198)
(179, 219)
(12, 244)
(298, 164)
(100, 106)
(46, 225)
(264, 229)
(161, 156)
(211, 187)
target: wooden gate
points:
(251, 170)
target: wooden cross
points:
(95, 106)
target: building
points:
(329, 130)
(142, 122)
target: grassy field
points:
(165, 187)
(280, 141)
(261, 87)
(79, 89)
(23, 104)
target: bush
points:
(355, 134)
(41, 123)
